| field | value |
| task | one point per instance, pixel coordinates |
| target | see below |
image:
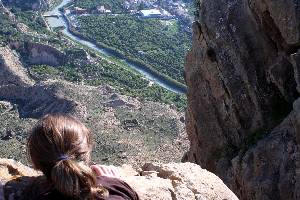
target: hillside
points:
(44, 72)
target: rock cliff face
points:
(39, 54)
(35, 99)
(153, 181)
(242, 75)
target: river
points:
(144, 70)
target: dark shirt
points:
(118, 190)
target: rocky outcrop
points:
(154, 181)
(11, 69)
(35, 100)
(41, 54)
(242, 75)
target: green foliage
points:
(130, 83)
(27, 5)
(156, 43)
(33, 20)
(8, 30)
(71, 73)
(44, 69)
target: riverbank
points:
(175, 85)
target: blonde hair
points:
(60, 147)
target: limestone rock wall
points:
(154, 181)
(242, 75)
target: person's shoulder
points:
(117, 188)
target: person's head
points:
(60, 147)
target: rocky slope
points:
(153, 181)
(243, 78)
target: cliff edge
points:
(185, 181)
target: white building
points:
(150, 13)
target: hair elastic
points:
(63, 157)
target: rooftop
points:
(150, 12)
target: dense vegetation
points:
(32, 19)
(157, 43)
(7, 29)
(10, 31)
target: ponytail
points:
(60, 147)
(73, 179)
